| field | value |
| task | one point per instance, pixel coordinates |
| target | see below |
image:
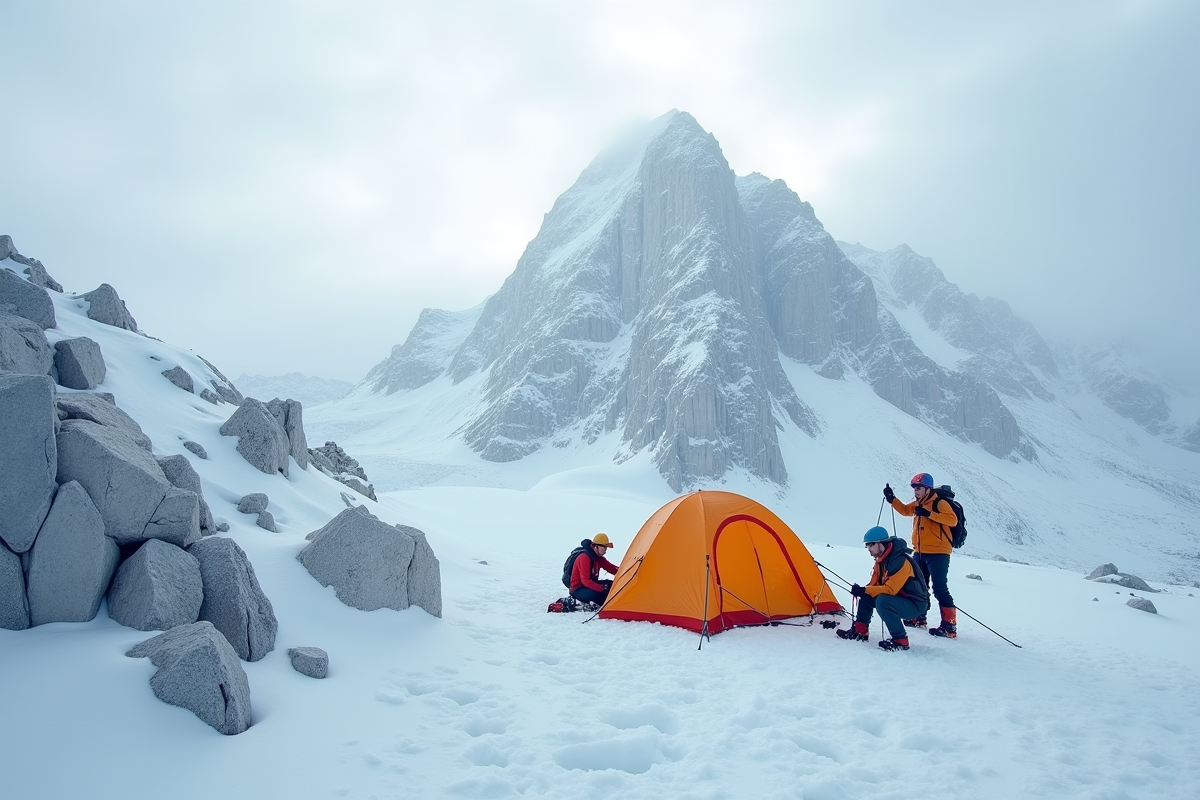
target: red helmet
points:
(921, 479)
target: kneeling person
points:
(897, 590)
(586, 586)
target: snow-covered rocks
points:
(332, 460)
(134, 497)
(25, 299)
(196, 449)
(106, 306)
(233, 600)
(1108, 573)
(266, 521)
(1141, 604)
(290, 416)
(199, 670)
(253, 503)
(373, 565)
(157, 588)
(182, 475)
(71, 562)
(28, 457)
(23, 346)
(79, 363)
(310, 661)
(261, 439)
(181, 378)
(98, 408)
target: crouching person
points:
(586, 586)
(897, 590)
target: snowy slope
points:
(307, 389)
(500, 699)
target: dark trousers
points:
(936, 566)
(892, 610)
(585, 595)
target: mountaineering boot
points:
(857, 633)
(916, 622)
(949, 627)
(898, 643)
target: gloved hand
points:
(888, 494)
(858, 591)
(921, 511)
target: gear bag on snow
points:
(958, 531)
(570, 564)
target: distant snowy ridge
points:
(307, 389)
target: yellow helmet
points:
(602, 538)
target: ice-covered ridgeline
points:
(989, 342)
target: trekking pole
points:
(879, 516)
(845, 583)
(1005, 638)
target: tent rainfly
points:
(709, 561)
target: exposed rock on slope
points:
(425, 353)
(825, 313)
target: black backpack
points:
(958, 532)
(570, 564)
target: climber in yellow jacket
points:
(932, 543)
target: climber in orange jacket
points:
(932, 543)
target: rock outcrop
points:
(79, 363)
(310, 661)
(23, 346)
(20, 297)
(180, 473)
(181, 378)
(368, 562)
(332, 460)
(233, 600)
(99, 409)
(261, 439)
(32, 267)
(157, 588)
(290, 416)
(71, 562)
(106, 306)
(134, 497)
(29, 465)
(426, 352)
(253, 503)
(199, 670)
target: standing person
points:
(586, 586)
(897, 589)
(932, 519)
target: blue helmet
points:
(876, 534)
(922, 479)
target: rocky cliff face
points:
(636, 309)
(825, 312)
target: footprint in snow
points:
(652, 715)
(634, 754)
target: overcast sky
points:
(283, 186)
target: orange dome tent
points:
(708, 561)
